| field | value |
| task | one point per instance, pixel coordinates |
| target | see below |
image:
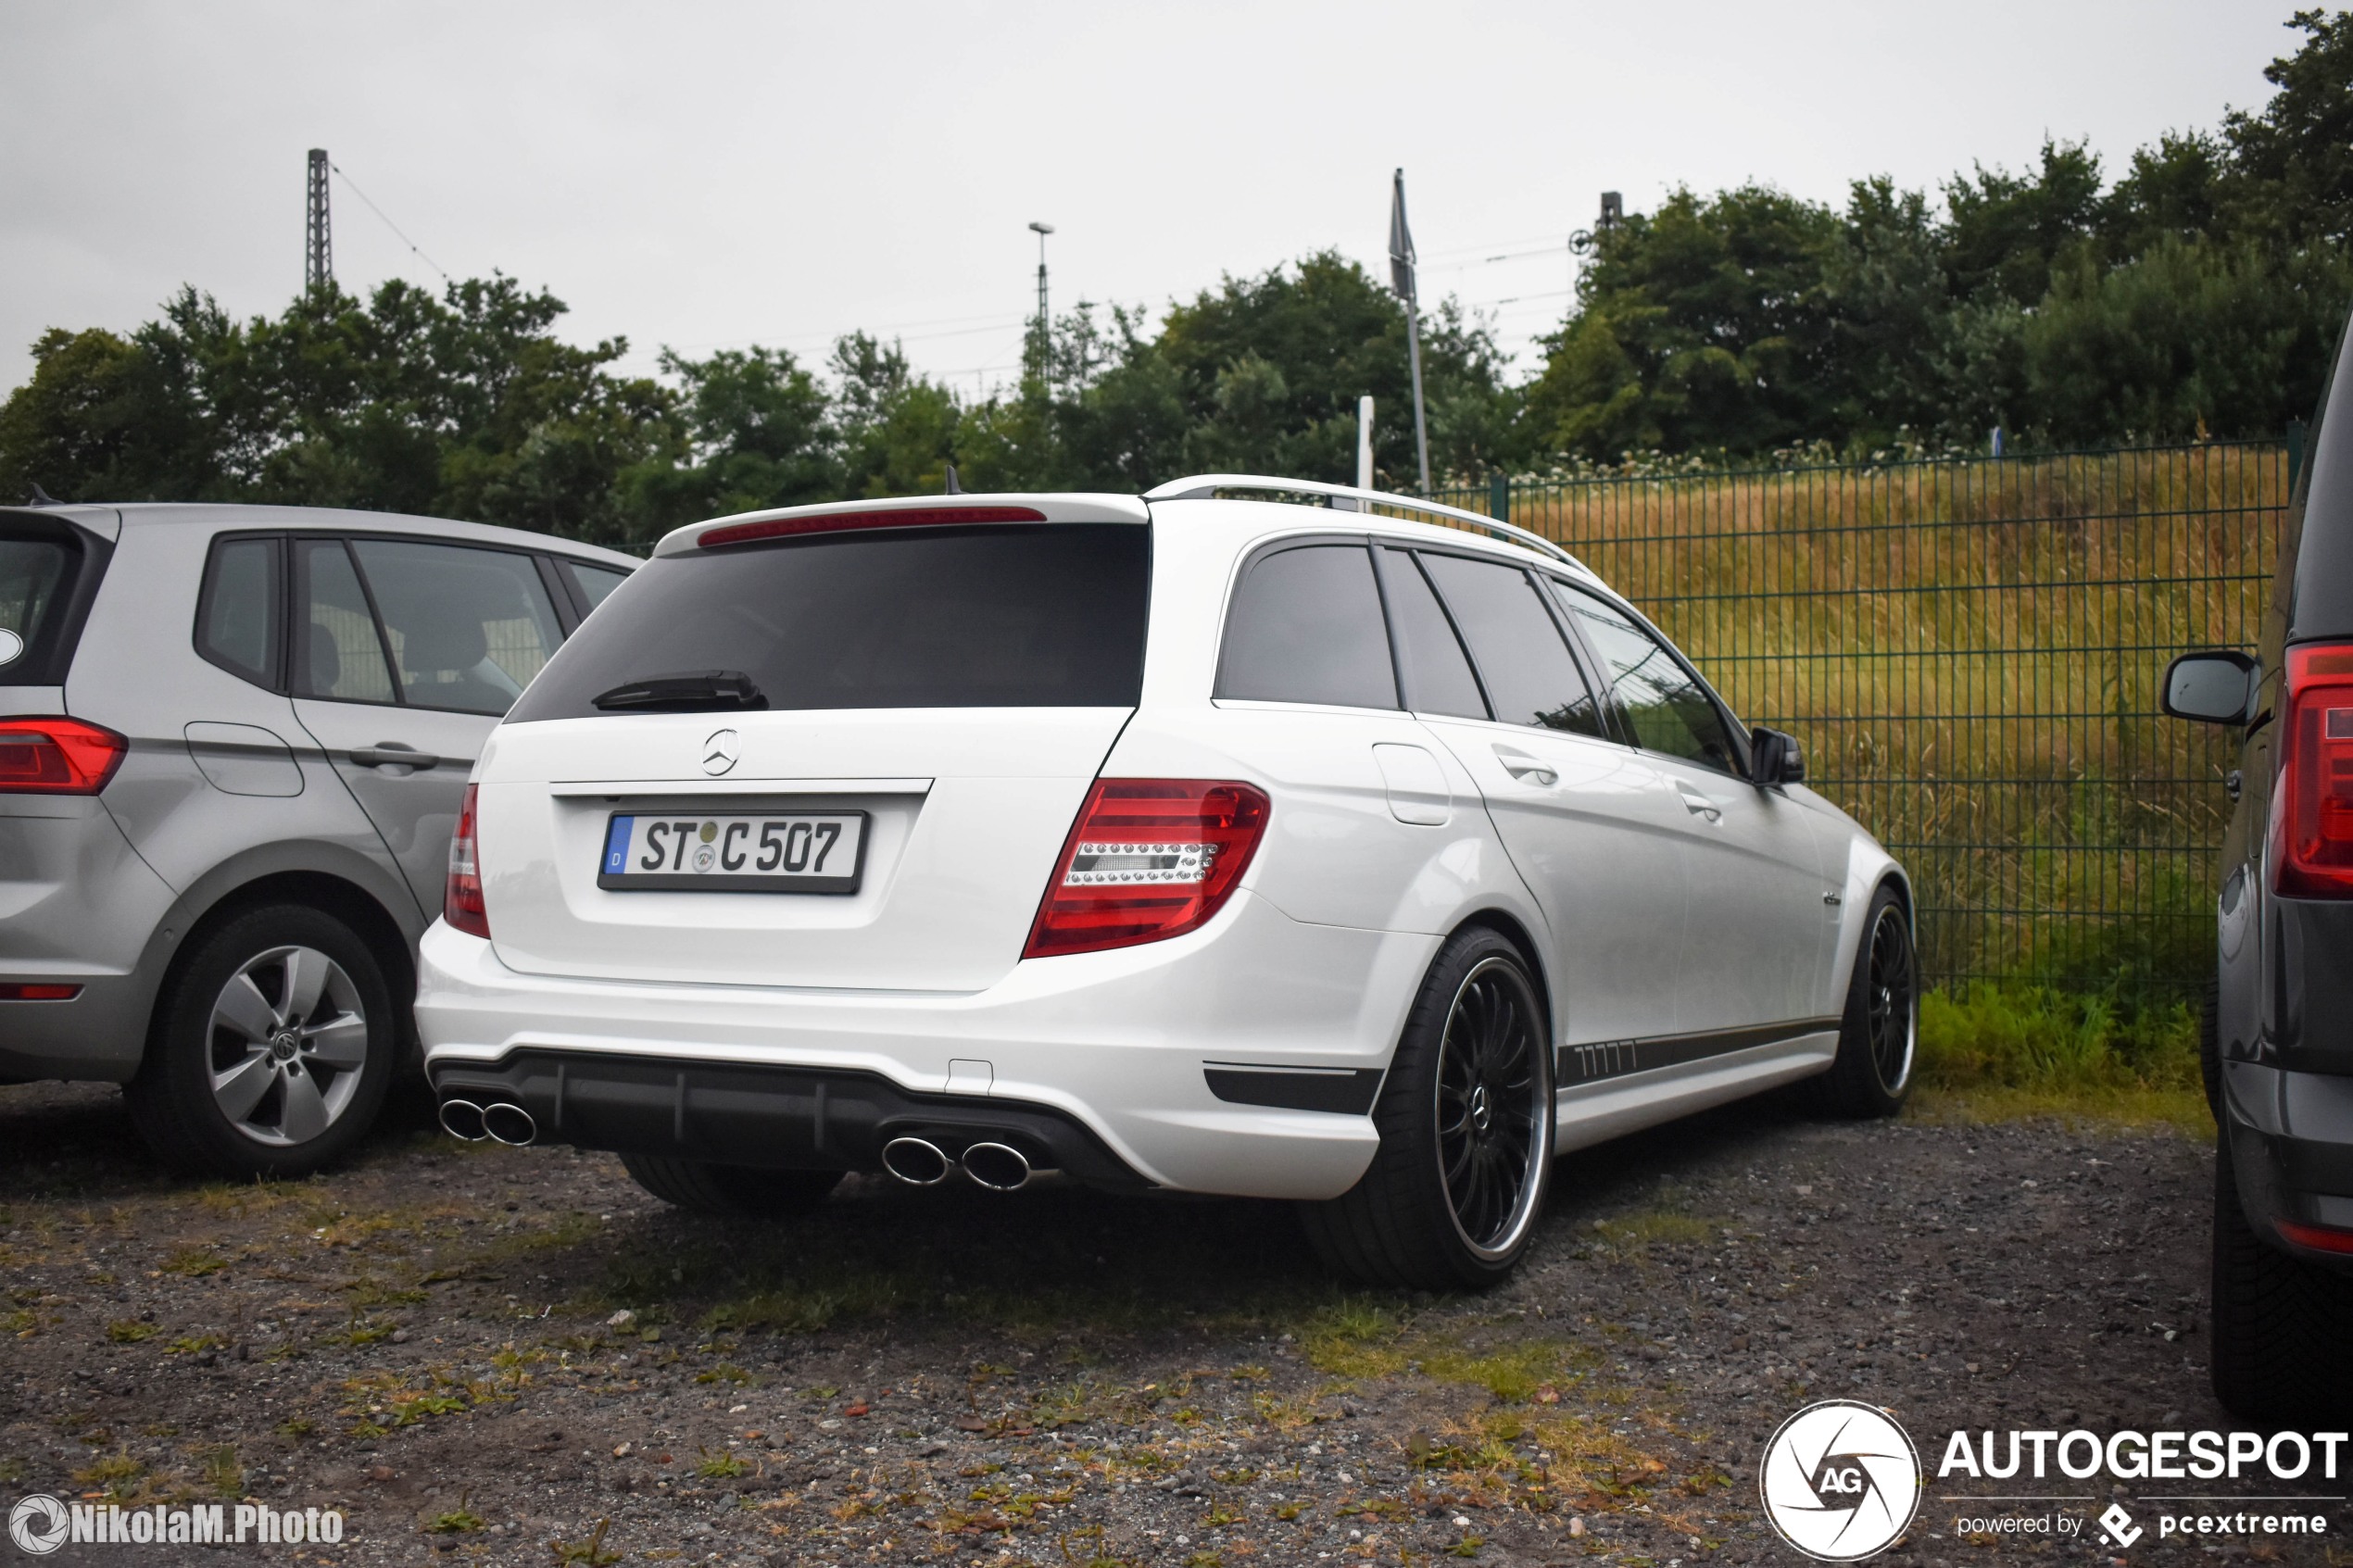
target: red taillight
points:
(2312, 803)
(461, 903)
(837, 523)
(2320, 1238)
(57, 756)
(1147, 859)
(36, 991)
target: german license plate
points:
(761, 852)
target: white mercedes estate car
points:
(1254, 836)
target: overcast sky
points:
(705, 175)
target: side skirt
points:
(1606, 1107)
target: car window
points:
(338, 652)
(31, 573)
(977, 615)
(468, 628)
(1306, 627)
(1530, 675)
(1659, 699)
(593, 582)
(237, 609)
(1437, 672)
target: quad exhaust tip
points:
(917, 1161)
(506, 1123)
(999, 1167)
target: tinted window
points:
(1306, 627)
(338, 652)
(1436, 675)
(237, 608)
(1530, 676)
(1661, 702)
(961, 617)
(593, 582)
(468, 628)
(31, 573)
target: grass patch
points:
(116, 1473)
(1995, 1052)
(720, 1466)
(224, 1476)
(129, 1331)
(195, 1262)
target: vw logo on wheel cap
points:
(719, 753)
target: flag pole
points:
(1401, 275)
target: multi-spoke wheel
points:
(1466, 1123)
(271, 1047)
(1879, 1031)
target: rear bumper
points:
(2292, 1150)
(77, 908)
(1119, 1045)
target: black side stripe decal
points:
(1347, 1091)
(1615, 1058)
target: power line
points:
(389, 224)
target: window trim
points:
(1580, 658)
(298, 594)
(207, 585)
(1249, 563)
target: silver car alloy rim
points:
(1494, 1121)
(285, 1046)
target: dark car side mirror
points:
(1775, 757)
(2213, 686)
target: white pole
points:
(1364, 441)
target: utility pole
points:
(1045, 345)
(1401, 278)
(318, 263)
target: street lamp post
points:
(1045, 338)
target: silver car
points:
(233, 745)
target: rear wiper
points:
(698, 691)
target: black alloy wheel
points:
(1488, 1128)
(1878, 1034)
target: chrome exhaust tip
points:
(461, 1118)
(999, 1167)
(508, 1123)
(917, 1161)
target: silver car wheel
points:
(287, 1045)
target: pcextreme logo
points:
(1841, 1481)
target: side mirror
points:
(1775, 757)
(2213, 686)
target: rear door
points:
(407, 652)
(1755, 939)
(1587, 820)
(952, 686)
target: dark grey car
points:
(233, 744)
(2278, 1042)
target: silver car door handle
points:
(391, 754)
(1520, 765)
(1699, 805)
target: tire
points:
(2278, 1323)
(1878, 1033)
(2210, 1044)
(270, 1049)
(1466, 1123)
(739, 1190)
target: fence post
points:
(1499, 498)
(2294, 452)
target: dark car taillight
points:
(1147, 859)
(57, 756)
(461, 903)
(2312, 802)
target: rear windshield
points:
(40, 567)
(1047, 616)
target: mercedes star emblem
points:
(719, 753)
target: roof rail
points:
(1348, 498)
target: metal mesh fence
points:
(1971, 652)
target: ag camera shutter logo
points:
(1841, 1481)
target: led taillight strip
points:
(843, 523)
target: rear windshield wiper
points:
(699, 691)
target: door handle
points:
(1520, 765)
(391, 754)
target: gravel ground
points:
(490, 1354)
